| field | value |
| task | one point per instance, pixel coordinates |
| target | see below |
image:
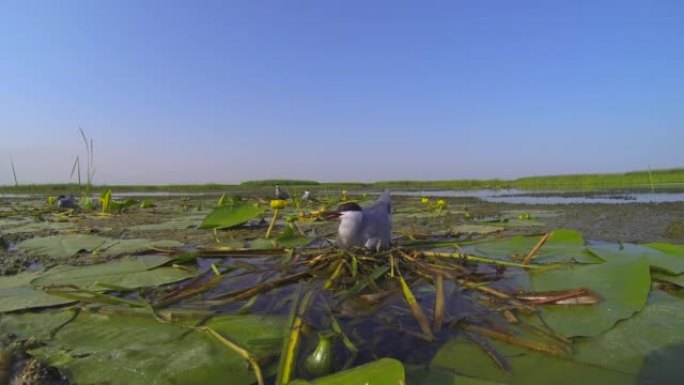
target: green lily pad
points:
(623, 287)
(645, 349)
(63, 246)
(385, 371)
(650, 345)
(13, 222)
(290, 238)
(129, 273)
(476, 229)
(661, 256)
(675, 279)
(17, 294)
(562, 246)
(527, 367)
(138, 350)
(226, 216)
(261, 244)
(174, 224)
(38, 226)
(436, 376)
(22, 291)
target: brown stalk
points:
(438, 316)
(536, 248)
(188, 292)
(261, 288)
(513, 340)
(580, 296)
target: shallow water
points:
(515, 196)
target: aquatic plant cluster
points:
(253, 288)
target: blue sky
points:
(227, 91)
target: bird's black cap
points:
(348, 206)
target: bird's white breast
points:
(350, 228)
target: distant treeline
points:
(282, 182)
(632, 179)
(664, 178)
(455, 184)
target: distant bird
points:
(368, 227)
(307, 196)
(281, 194)
(66, 203)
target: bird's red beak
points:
(330, 215)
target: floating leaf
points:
(62, 246)
(138, 350)
(261, 244)
(291, 239)
(174, 224)
(437, 376)
(623, 287)
(675, 279)
(527, 367)
(475, 229)
(385, 371)
(231, 215)
(38, 226)
(129, 273)
(645, 349)
(564, 245)
(16, 293)
(649, 345)
(661, 256)
(120, 206)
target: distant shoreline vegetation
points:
(669, 179)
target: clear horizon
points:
(174, 92)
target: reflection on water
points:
(537, 197)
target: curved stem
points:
(273, 221)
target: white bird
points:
(280, 193)
(307, 196)
(369, 227)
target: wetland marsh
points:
(187, 289)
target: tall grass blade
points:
(438, 317)
(288, 357)
(650, 177)
(415, 308)
(14, 172)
